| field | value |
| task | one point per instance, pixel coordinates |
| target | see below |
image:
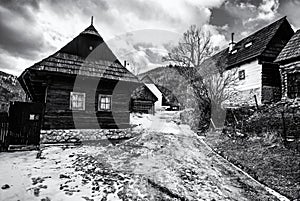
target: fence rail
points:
(3, 128)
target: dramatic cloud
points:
(291, 8)
(141, 31)
(244, 17)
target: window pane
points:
(77, 101)
(104, 102)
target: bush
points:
(269, 118)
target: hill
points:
(10, 90)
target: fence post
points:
(256, 103)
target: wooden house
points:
(251, 62)
(143, 100)
(289, 60)
(165, 98)
(169, 100)
(82, 85)
(153, 88)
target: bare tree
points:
(187, 56)
(207, 76)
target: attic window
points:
(248, 44)
(234, 51)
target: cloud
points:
(291, 9)
(16, 37)
(145, 29)
(32, 29)
(268, 9)
(245, 16)
(143, 49)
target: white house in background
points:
(252, 60)
(153, 88)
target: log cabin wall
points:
(143, 100)
(271, 83)
(287, 70)
(58, 114)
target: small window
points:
(104, 102)
(77, 101)
(248, 44)
(234, 51)
(241, 74)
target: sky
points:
(138, 31)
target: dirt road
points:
(166, 162)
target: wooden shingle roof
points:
(291, 50)
(258, 43)
(88, 55)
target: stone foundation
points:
(80, 135)
(243, 98)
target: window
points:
(241, 74)
(248, 44)
(234, 51)
(104, 102)
(77, 101)
(293, 85)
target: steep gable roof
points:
(291, 50)
(88, 55)
(257, 45)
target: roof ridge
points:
(263, 28)
(91, 30)
(260, 39)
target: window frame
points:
(242, 74)
(71, 101)
(249, 44)
(99, 102)
(293, 85)
(234, 51)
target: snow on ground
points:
(166, 162)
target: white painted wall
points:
(251, 85)
(157, 93)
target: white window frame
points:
(105, 103)
(72, 94)
(248, 44)
(234, 51)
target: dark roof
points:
(147, 80)
(260, 40)
(291, 50)
(143, 93)
(168, 97)
(87, 54)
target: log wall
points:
(58, 114)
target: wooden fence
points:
(3, 129)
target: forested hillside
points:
(10, 90)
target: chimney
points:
(125, 63)
(232, 43)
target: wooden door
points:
(25, 120)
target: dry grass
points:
(265, 158)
